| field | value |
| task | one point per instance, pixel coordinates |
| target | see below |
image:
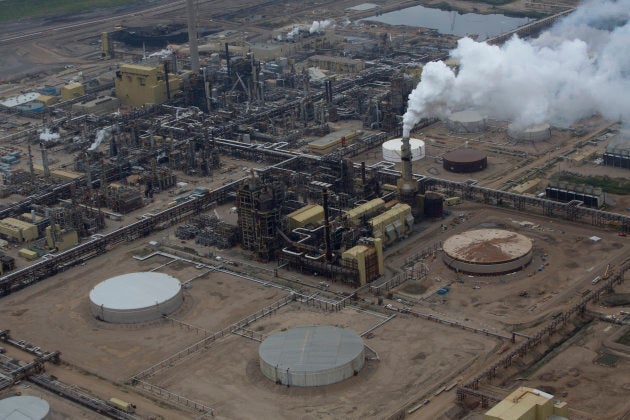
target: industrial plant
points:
(241, 211)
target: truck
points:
(122, 405)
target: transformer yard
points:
(225, 212)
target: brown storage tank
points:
(465, 161)
(433, 205)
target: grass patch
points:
(610, 185)
(13, 10)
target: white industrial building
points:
(136, 297)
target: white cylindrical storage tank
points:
(537, 132)
(468, 121)
(392, 150)
(313, 355)
(24, 407)
(136, 297)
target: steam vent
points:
(136, 297)
(487, 251)
(313, 355)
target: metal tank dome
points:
(136, 297)
(537, 132)
(487, 251)
(468, 121)
(392, 150)
(313, 355)
(24, 407)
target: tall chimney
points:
(405, 157)
(326, 226)
(44, 159)
(192, 37)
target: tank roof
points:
(311, 348)
(24, 407)
(485, 246)
(464, 155)
(135, 290)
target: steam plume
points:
(578, 68)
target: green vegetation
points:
(625, 339)
(610, 185)
(13, 10)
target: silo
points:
(433, 205)
(24, 407)
(312, 355)
(136, 297)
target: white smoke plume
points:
(319, 25)
(578, 68)
(293, 32)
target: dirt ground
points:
(573, 376)
(415, 357)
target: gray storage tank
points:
(312, 355)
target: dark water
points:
(484, 26)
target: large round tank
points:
(136, 297)
(465, 161)
(466, 122)
(537, 132)
(392, 150)
(487, 251)
(433, 205)
(312, 355)
(24, 407)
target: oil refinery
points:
(316, 210)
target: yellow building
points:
(392, 224)
(528, 404)
(63, 240)
(336, 64)
(356, 215)
(310, 214)
(72, 91)
(18, 230)
(527, 186)
(332, 141)
(27, 254)
(139, 85)
(48, 100)
(367, 258)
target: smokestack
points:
(227, 59)
(44, 159)
(168, 86)
(30, 164)
(363, 172)
(405, 157)
(192, 37)
(326, 226)
(88, 172)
